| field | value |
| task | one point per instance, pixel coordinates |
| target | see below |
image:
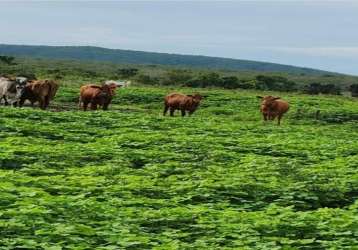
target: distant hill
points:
(89, 53)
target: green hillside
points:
(139, 57)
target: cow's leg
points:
(85, 104)
(279, 119)
(42, 103)
(47, 101)
(270, 116)
(171, 111)
(93, 106)
(273, 116)
(183, 112)
(105, 106)
(166, 107)
(264, 116)
(21, 102)
(5, 100)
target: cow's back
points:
(7, 87)
(89, 91)
(282, 106)
(43, 88)
(174, 99)
(4, 85)
(39, 88)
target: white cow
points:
(118, 83)
(11, 89)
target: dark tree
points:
(205, 80)
(247, 84)
(330, 89)
(127, 72)
(354, 90)
(288, 86)
(313, 88)
(177, 77)
(277, 83)
(265, 82)
(210, 79)
(9, 60)
(146, 79)
(230, 82)
(317, 88)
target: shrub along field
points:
(130, 178)
(180, 76)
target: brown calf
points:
(96, 96)
(181, 102)
(42, 91)
(272, 107)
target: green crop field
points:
(130, 178)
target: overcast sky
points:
(317, 34)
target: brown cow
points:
(96, 95)
(181, 102)
(272, 107)
(42, 91)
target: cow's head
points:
(111, 87)
(267, 102)
(16, 87)
(103, 98)
(268, 98)
(20, 90)
(118, 83)
(20, 83)
(196, 97)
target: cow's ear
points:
(260, 97)
(276, 98)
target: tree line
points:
(260, 82)
(167, 76)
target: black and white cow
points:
(11, 89)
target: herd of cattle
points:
(16, 91)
